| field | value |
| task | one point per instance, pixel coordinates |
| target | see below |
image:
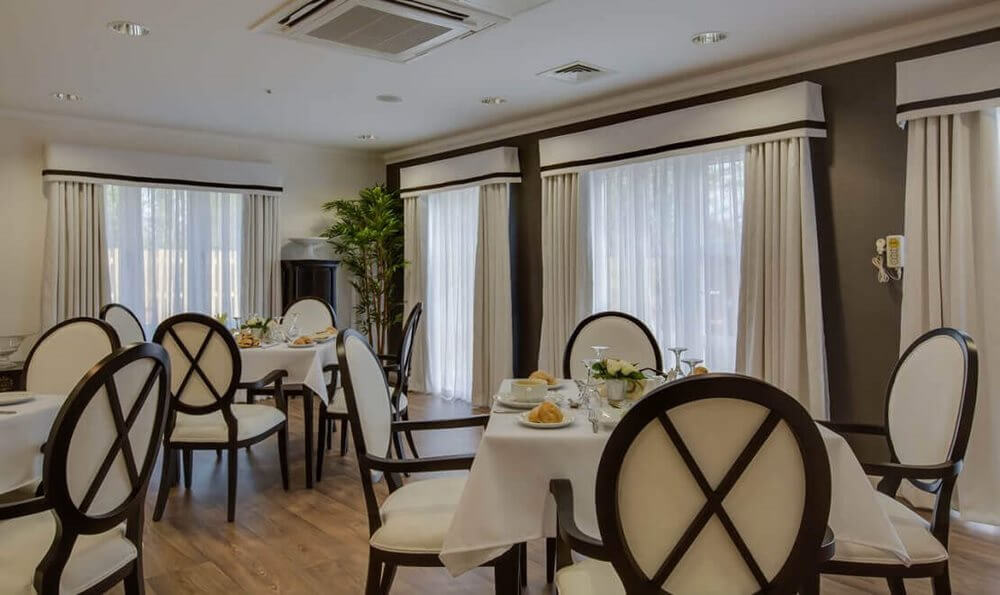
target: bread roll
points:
(543, 375)
(546, 413)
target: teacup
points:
(529, 390)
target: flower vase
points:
(614, 390)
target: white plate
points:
(507, 400)
(559, 385)
(325, 339)
(15, 398)
(294, 346)
(567, 420)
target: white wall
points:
(312, 176)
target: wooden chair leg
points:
(388, 574)
(941, 585)
(188, 467)
(283, 455)
(343, 437)
(811, 585)
(134, 583)
(550, 560)
(522, 566)
(505, 573)
(218, 454)
(331, 427)
(896, 586)
(231, 496)
(164, 491)
(374, 580)
(324, 429)
(175, 476)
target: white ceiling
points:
(202, 68)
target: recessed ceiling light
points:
(64, 96)
(708, 37)
(368, 136)
(389, 98)
(128, 28)
(493, 100)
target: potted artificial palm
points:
(368, 235)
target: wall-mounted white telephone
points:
(888, 255)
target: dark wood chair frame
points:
(382, 564)
(104, 326)
(73, 520)
(567, 354)
(300, 390)
(814, 541)
(934, 479)
(106, 307)
(223, 404)
(398, 365)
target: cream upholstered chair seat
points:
(914, 532)
(338, 404)
(589, 577)
(416, 517)
(26, 539)
(251, 421)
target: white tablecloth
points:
(506, 499)
(21, 438)
(303, 364)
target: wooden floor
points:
(315, 541)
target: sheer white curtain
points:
(451, 237)
(664, 244)
(261, 251)
(173, 251)
(952, 274)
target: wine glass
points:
(8, 345)
(676, 372)
(293, 330)
(692, 363)
(599, 351)
(237, 325)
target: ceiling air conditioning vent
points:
(574, 72)
(397, 30)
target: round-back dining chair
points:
(99, 457)
(125, 323)
(64, 353)
(314, 314)
(929, 409)
(625, 335)
(712, 484)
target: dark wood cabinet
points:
(309, 278)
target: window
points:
(664, 246)
(452, 235)
(173, 251)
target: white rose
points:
(628, 369)
(613, 366)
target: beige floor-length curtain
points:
(952, 273)
(261, 272)
(415, 282)
(780, 323)
(75, 281)
(493, 343)
(564, 283)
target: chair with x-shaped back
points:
(84, 535)
(711, 484)
(205, 373)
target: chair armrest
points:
(902, 471)
(331, 368)
(423, 465)
(562, 491)
(441, 424)
(24, 508)
(847, 428)
(271, 378)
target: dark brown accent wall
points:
(859, 172)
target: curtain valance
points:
(964, 80)
(791, 111)
(98, 165)
(491, 166)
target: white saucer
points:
(507, 400)
(326, 339)
(567, 420)
(306, 346)
(15, 398)
(559, 385)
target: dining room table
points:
(25, 421)
(506, 499)
(304, 366)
